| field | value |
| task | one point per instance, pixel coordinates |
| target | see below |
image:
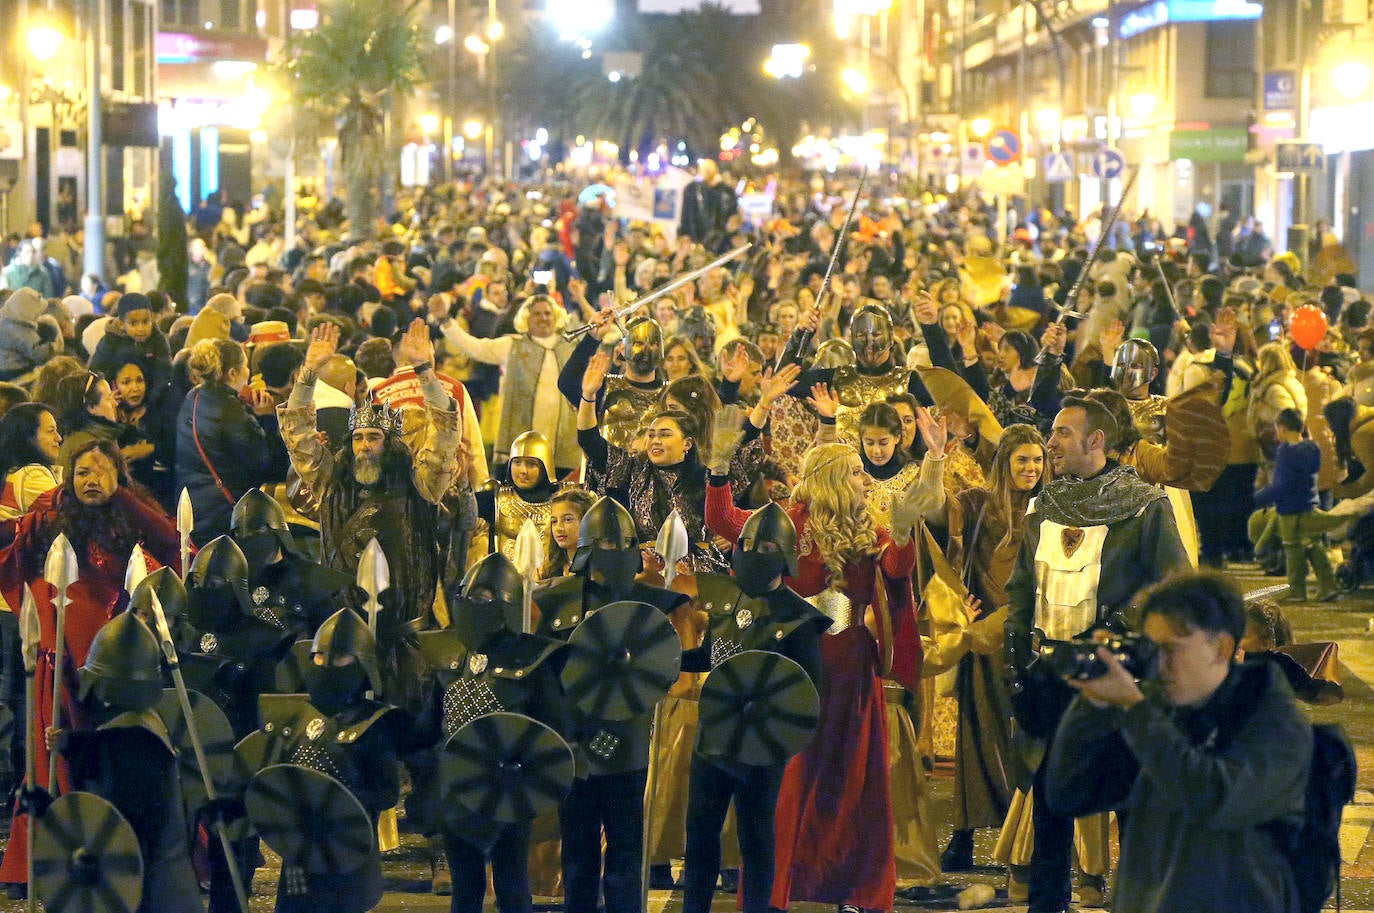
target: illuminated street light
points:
(1351, 78)
(495, 31)
(787, 61)
(443, 34)
(472, 129)
(429, 124)
(1142, 104)
(855, 81)
(476, 45)
(580, 17)
(613, 76)
(44, 42)
(980, 127)
(1047, 119)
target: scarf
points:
(1113, 495)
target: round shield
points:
(216, 740)
(86, 858)
(310, 819)
(621, 660)
(505, 767)
(253, 753)
(757, 708)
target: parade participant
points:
(878, 370)
(566, 510)
(532, 359)
(287, 590)
(751, 610)
(983, 527)
(1027, 387)
(892, 471)
(1135, 365)
(223, 446)
(104, 514)
(1095, 536)
(834, 821)
(484, 664)
(669, 475)
(609, 801)
(375, 488)
(121, 750)
(527, 496)
(341, 732)
(629, 395)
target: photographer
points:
(1200, 764)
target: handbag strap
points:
(195, 436)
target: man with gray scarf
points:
(1095, 536)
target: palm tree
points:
(363, 54)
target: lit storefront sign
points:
(1162, 12)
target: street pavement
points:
(1349, 622)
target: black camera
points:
(1077, 659)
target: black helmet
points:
(766, 549)
(489, 600)
(124, 666)
(607, 522)
(259, 527)
(217, 590)
(345, 634)
(171, 594)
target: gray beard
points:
(367, 470)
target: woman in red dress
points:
(834, 818)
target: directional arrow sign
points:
(1108, 164)
(1299, 157)
(1058, 167)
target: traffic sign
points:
(1058, 167)
(1108, 164)
(1004, 146)
(1299, 157)
(973, 159)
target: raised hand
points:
(324, 342)
(727, 430)
(776, 383)
(1055, 338)
(926, 309)
(935, 434)
(595, 375)
(824, 400)
(1110, 338)
(735, 365)
(416, 347)
(1223, 335)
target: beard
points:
(367, 469)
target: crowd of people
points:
(907, 455)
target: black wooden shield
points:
(310, 819)
(86, 858)
(504, 767)
(621, 660)
(757, 708)
(216, 740)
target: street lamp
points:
(472, 129)
(787, 61)
(443, 34)
(429, 124)
(1351, 78)
(855, 81)
(44, 42)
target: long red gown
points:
(92, 600)
(833, 828)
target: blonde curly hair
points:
(837, 521)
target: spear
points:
(30, 633)
(671, 545)
(186, 521)
(374, 576)
(169, 653)
(527, 547)
(1070, 306)
(60, 571)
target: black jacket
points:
(244, 451)
(1201, 790)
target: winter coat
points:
(1293, 488)
(153, 355)
(22, 348)
(1200, 790)
(243, 450)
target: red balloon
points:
(1308, 326)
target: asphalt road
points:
(1347, 622)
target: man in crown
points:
(376, 488)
